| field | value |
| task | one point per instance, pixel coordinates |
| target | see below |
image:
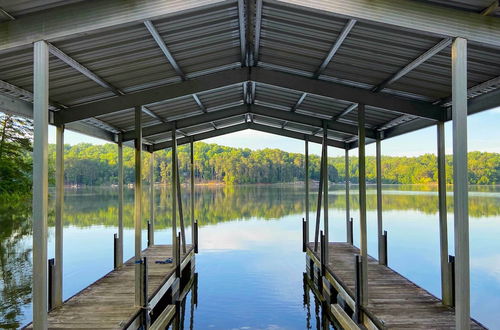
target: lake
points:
(250, 263)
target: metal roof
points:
(283, 66)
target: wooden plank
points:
(108, 303)
(394, 301)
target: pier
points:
(152, 75)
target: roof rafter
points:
(340, 40)
(257, 29)
(82, 69)
(163, 46)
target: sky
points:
(483, 135)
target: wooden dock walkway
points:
(108, 303)
(394, 302)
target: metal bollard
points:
(350, 232)
(451, 265)
(358, 297)
(51, 286)
(304, 234)
(195, 228)
(115, 251)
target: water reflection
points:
(238, 229)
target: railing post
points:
(358, 298)
(51, 286)
(322, 253)
(115, 251)
(145, 305)
(195, 232)
(178, 256)
(451, 267)
(304, 235)
(149, 234)
(383, 242)
(350, 231)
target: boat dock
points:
(394, 302)
(108, 303)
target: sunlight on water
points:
(250, 264)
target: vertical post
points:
(195, 237)
(304, 234)
(318, 207)
(192, 190)
(460, 193)
(347, 200)
(174, 192)
(138, 205)
(443, 226)
(145, 311)
(58, 267)
(381, 252)
(325, 188)
(40, 182)
(179, 204)
(358, 286)
(51, 286)
(119, 254)
(178, 255)
(115, 251)
(362, 204)
(306, 180)
(151, 231)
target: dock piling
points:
(383, 249)
(115, 251)
(145, 304)
(195, 236)
(451, 272)
(323, 254)
(149, 233)
(358, 284)
(51, 284)
(304, 235)
(178, 256)
(350, 232)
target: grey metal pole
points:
(347, 199)
(362, 203)
(320, 197)
(446, 293)
(120, 202)
(460, 192)
(174, 191)
(40, 182)
(381, 246)
(151, 232)
(325, 190)
(179, 205)
(58, 278)
(306, 179)
(138, 205)
(192, 191)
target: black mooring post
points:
(51, 286)
(357, 302)
(145, 307)
(149, 233)
(322, 253)
(115, 251)
(451, 265)
(351, 233)
(304, 232)
(383, 258)
(178, 256)
(195, 228)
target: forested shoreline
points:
(93, 165)
(87, 164)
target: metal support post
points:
(381, 254)
(58, 270)
(151, 229)
(347, 200)
(138, 206)
(119, 253)
(362, 203)
(306, 180)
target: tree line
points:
(87, 164)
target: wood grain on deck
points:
(392, 298)
(109, 302)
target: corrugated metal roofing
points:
(208, 40)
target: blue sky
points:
(483, 135)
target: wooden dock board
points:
(108, 303)
(393, 299)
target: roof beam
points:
(243, 40)
(299, 102)
(340, 40)
(307, 120)
(413, 64)
(82, 69)
(295, 135)
(188, 122)
(258, 26)
(202, 136)
(348, 93)
(161, 43)
(90, 16)
(200, 105)
(152, 95)
(418, 16)
(491, 8)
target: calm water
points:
(250, 263)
